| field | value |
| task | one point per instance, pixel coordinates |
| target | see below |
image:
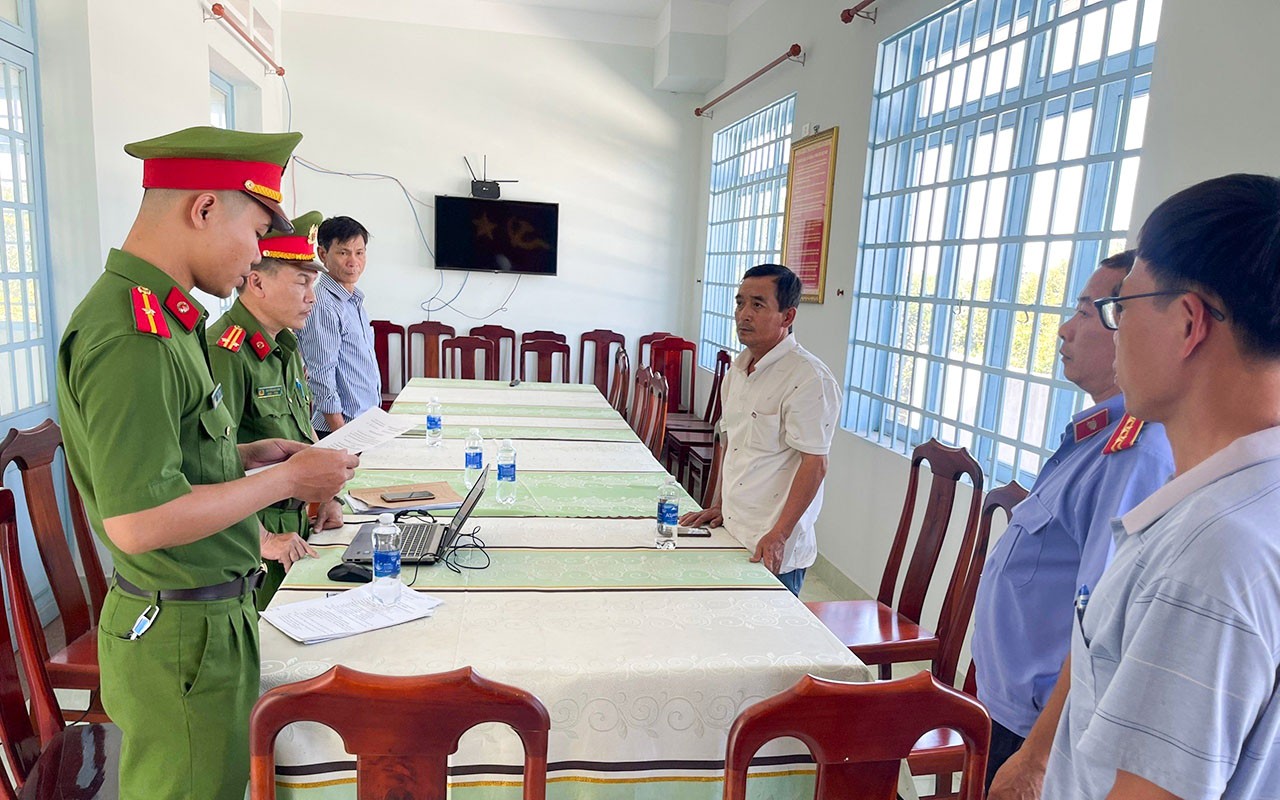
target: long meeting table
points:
(643, 657)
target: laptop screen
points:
(468, 505)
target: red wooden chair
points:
(656, 414)
(46, 759)
(602, 342)
(387, 354)
(687, 432)
(647, 341)
(639, 411)
(460, 355)
(550, 336)
(704, 471)
(504, 348)
(689, 421)
(545, 352)
(879, 632)
(621, 381)
(76, 665)
(859, 732)
(401, 729)
(941, 753)
(432, 333)
(668, 359)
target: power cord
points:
(452, 558)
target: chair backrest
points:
(545, 352)
(432, 334)
(17, 732)
(656, 427)
(647, 341)
(602, 341)
(639, 417)
(951, 631)
(460, 355)
(33, 450)
(859, 732)
(709, 495)
(714, 409)
(621, 381)
(550, 336)
(947, 464)
(667, 357)
(400, 728)
(504, 348)
(387, 353)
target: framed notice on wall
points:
(806, 227)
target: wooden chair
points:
(545, 352)
(656, 414)
(941, 753)
(46, 759)
(639, 410)
(76, 665)
(550, 336)
(859, 732)
(689, 421)
(704, 471)
(460, 354)
(602, 342)
(621, 381)
(432, 333)
(388, 354)
(668, 357)
(401, 729)
(687, 432)
(647, 341)
(505, 355)
(879, 632)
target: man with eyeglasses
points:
(1059, 539)
(1175, 658)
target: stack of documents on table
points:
(370, 501)
(348, 613)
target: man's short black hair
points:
(1222, 237)
(339, 229)
(1122, 260)
(785, 283)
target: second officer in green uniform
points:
(254, 354)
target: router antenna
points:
(486, 166)
(469, 169)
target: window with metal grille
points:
(748, 197)
(1005, 138)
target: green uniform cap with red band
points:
(212, 159)
(298, 248)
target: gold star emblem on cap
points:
(311, 235)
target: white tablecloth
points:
(541, 455)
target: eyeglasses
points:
(1109, 308)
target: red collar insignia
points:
(232, 339)
(146, 312)
(1126, 435)
(261, 348)
(1092, 424)
(181, 309)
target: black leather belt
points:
(219, 591)
(289, 504)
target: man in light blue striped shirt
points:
(1175, 658)
(337, 342)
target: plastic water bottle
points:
(435, 423)
(507, 473)
(386, 560)
(474, 458)
(668, 513)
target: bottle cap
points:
(435, 399)
(386, 519)
(507, 443)
(476, 431)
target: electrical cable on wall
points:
(426, 305)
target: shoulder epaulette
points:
(1126, 435)
(232, 339)
(146, 312)
(1092, 424)
(181, 309)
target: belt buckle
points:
(254, 580)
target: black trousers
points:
(1004, 743)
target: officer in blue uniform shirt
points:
(1059, 540)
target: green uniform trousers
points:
(181, 695)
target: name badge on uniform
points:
(215, 397)
(269, 391)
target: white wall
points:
(113, 72)
(1210, 113)
(576, 123)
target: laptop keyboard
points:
(415, 538)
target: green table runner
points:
(461, 383)
(546, 494)
(530, 432)
(503, 410)
(519, 569)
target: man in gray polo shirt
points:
(1175, 658)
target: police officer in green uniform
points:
(254, 354)
(152, 449)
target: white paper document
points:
(370, 429)
(348, 613)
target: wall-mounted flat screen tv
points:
(496, 235)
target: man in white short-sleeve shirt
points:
(780, 410)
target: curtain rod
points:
(794, 53)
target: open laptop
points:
(420, 542)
